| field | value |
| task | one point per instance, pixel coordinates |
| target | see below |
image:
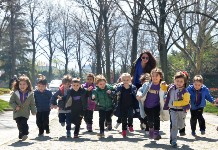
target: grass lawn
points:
(3, 105)
(211, 109)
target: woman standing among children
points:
(42, 98)
(103, 102)
(144, 64)
(127, 103)
(88, 116)
(199, 94)
(22, 101)
(177, 102)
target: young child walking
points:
(101, 95)
(64, 114)
(88, 116)
(199, 94)
(145, 81)
(177, 102)
(76, 101)
(152, 96)
(42, 98)
(127, 103)
(22, 101)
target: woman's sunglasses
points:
(146, 58)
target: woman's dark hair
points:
(151, 64)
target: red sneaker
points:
(124, 133)
(131, 129)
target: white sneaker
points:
(143, 125)
(147, 132)
(117, 125)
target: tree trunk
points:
(134, 42)
(107, 44)
(12, 46)
(34, 52)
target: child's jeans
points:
(177, 118)
(102, 116)
(22, 125)
(65, 117)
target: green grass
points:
(4, 91)
(3, 105)
(211, 109)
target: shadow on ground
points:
(21, 143)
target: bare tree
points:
(136, 10)
(34, 14)
(196, 39)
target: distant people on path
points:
(22, 101)
(12, 81)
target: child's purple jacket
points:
(91, 104)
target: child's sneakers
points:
(193, 133)
(151, 133)
(146, 131)
(109, 127)
(174, 144)
(24, 137)
(124, 133)
(47, 131)
(131, 129)
(89, 127)
(156, 135)
(117, 125)
(202, 132)
(76, 136)
(68, 133)
(182, 133)
(101, 134)
(62, 124)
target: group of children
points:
(153, 102)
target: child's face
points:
(23, 86)
(101, 84)
(126, 80)
(89, 80)
(155, 77)
(76, 86)
(197, 85)
(179, 82)
(67, 85)
(41, 87)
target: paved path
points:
(113, 140)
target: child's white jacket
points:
(142, 91)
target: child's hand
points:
(186, 110)
(108, 91)
(17, 108)
(90, 88)
(93, 96)
(59, 97)
(138, 98)
(163, 83)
